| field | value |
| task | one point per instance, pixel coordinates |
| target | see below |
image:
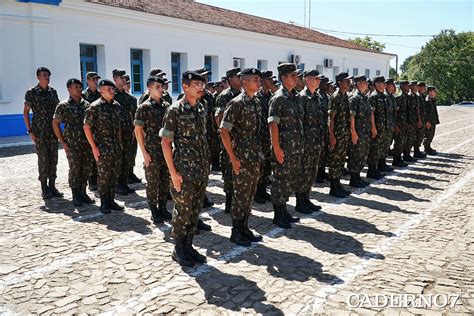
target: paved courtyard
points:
(410, 233)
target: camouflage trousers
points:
(309, 169)
(285, 178)
(47, 151)
(400, 140)
(429, 135)
(410, 138)
(214, 145)
(337, 157)
(245, 187)
(323, 157)
(419, 136)
(157, 180)
(187, 205)
(387, 142)
(126, 154)
(80, 160)
(265, 165)
(226, 168)
(133, 154)
(108, 168)
(358, 154)
(377, 148)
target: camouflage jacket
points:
(362, 112)
(378, 102)
(224, 98)
(313, 123)
(421, 106)
(43, 104)
(339, 105)
(90, 96)
(242, 118)
(72, 114)
(412, 109)
(264, 131)
(402, 114)
(431, 111)
(391, 110)
(128, 106)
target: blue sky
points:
(368, 16)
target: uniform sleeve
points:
(59, 112)
(90, 116)
(275, 108)
(170, 124)
(29, 98)
(140, 116)
(334, 104)
(56, 96)
(231, 115)
(353, 105)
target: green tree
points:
(392, 73)
(368, 42)
(447, 62)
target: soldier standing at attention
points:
(313, 140)
(240, 128)
(324, 101)
(71, 112)
(148, 123)
(391, 111)
(362, 130)
(421, 126)
(401, 129)
(432, 120)
(412, 121)
(221, 102)
(339, 133)
(90, 94)
(378, 102)
(186, 152)
(285, 119)
(102, 129)
(42, 101)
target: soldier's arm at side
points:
(26, 114)
(59, 134)
(332, 137)
(167, 134)
(373, 129)
(354, 135)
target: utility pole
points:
(309, 14)
(304, 21)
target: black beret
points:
(106, 82)
(232, 72)
(276, 83)
(299, 72)
(421, 84)
(153, 79)
(430, 88)
(312, 73)
(286, 68)
(203, 71)
(413, 82)
(250, 71)
(154, 71)
(403, 82)
(73, 81)
(389, 81)
(342, 75)
(117, 72)
(41, 69)
(92, 74)
(324, 79)
(192, 75)
(166, 81)
(127, 78)
(268, 74)
(360, 78)
(379, 79)
(224, 79)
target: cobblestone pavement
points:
(409, 233)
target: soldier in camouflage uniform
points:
(362, 130)
(264, 95)
(240, 131)
(378, 102)
(401, 129)
(421, 125)
(339, 133)
(184, 128)
(432, 120)
(391, 113)
(128, 107)
(148, 122)
(42, 101)
(314, 133)
(71, 112)
(324, 101)
(412, 122)
(102, 128)
(285, 119)
(221, 102)
(90, 94)
(166, 96)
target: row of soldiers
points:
(257, 129)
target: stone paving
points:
(409, 233)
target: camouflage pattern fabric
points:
(378, 102)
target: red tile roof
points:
(203, 13)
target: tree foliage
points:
(368, 42)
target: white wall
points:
(34, 35)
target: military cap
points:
(117, 72)
(330, 82)
(41, 69)
(379, 79)
(154, 71)
(324, 79)
(154, 79)
(224, 79)
(342, 75)
(92, 75)
(430, 88)
(312, 73)
(203, 71)
(268, 74)
(413, 82)
(232, 72)
(403, 82)
(389, 81)
(106, 82)
(360, 78)
(166, 81)
(276, 83)
(250, 71)
(286, 68)
(73, 81)
(127, 78)
(369, 81)
(299, 72)
(192, 75)
(421, 84)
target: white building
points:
(71, 37)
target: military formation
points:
(285, 132)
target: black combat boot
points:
(132, 178)
(383, 167)
(311, 205)
(163, 211)
(114, 205)
(354, 182)
(121, 189)
(372, 173)
(207, 203)
(398, 161)
(288, 216)
(260, 195)
(407, 157)
(228, 203)
(279, 218)
(320, 178)
(418, 153)
(76, 199)
(180, 255)
(156, 217)
(248, 233)
(84, 197)
(191, 252)
(93, 183)
(45, 192)
(104, 205)
(237, 236)
(341, 187)
(53, 190)
(335, 190)
(362, 182)
(203, 226)
(429, 150)
(301, 206)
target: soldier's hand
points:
(146, 158)
(355, 138)
(177, 181)
(373, 132)
(279, 154)
(397, 130)
(420, 125)
(236, 165)
(428, 125)
(332, 142)
(33, 137)
(96, 153)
